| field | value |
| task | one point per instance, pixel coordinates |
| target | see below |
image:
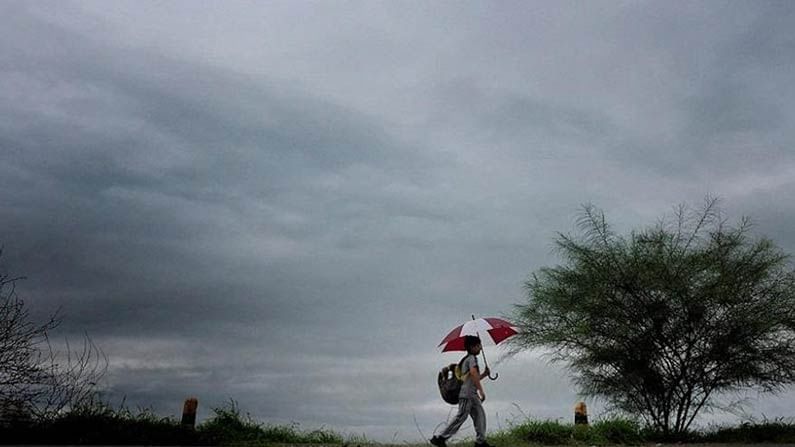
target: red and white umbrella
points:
(490, 331)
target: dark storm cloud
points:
(203, 211)
(167, 204)
(140, 172)
(734, 110)
(289, 205)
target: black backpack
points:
(450, 379)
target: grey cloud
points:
(231, 218)
(230, 160)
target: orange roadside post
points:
(580, 414)
(189, 411)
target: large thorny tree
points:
(662, 320)
(38, 380)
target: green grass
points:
(228, 426)
(101, 424)
(779, 431)
(617, 431)
(624, 431)
(543, 432)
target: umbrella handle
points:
(483, 351)
(487, 365)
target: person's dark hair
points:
(470, 341)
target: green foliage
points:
(548, 432)
(358, 439)
(617, 431)
(99, 423)
(503, 438)
(624, 431)
(543, 432)
(584, 434)
(780, 431)
(228, 426)
(659, 321)
(290, 434)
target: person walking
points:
(470, 398)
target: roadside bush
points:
(543, 432)
(228, 426)
(781, 431)
(585, 434)
(100, 424)
(617, 431)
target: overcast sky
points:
(291, 203)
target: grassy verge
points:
(621, 431)
(228, 426)
(614, 431)
(101, 424)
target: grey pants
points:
(468, 407)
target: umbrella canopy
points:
(490, 330)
